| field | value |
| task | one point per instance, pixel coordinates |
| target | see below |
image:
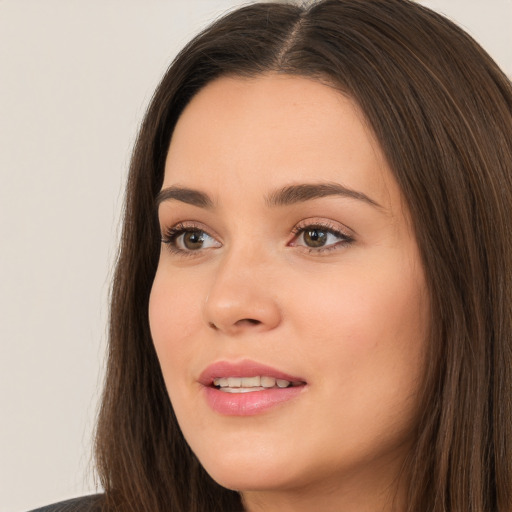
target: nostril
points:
(213, 326)
(250, 321)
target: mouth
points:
(247, 388)
(252, 384)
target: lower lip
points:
(251, 403)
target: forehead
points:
(273, 130)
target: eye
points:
(187, 239)
(319, 238)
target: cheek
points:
(173, 310)
(367, 328)
(368, 342)
(365, 307)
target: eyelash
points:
(171, 235)
(325, 227)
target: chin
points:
(249, 470)
(250, 479)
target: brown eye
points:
(193, 240)
(318, 239)
(314, 237)
(182, 240)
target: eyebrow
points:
(299, 193)
(288, 195)
(185, 195)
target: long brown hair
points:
(442, 112)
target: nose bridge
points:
(241, 295)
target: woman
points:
(312, 303)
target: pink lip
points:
(246, 404)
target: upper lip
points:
(245, 368)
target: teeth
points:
(245, 384)
(268, 382)
(234, 382)
(251, 382)
(241, 390)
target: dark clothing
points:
(84, 504)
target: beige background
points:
(75, 77)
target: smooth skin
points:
(329, 288)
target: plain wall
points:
(75, 78)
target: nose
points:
(242, 298)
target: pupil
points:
(193, 240)
(315, 237)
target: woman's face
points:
(287, 257)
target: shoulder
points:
(84, 504)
